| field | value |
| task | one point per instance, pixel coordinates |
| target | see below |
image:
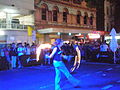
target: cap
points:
(58, 41)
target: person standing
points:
(13, 55)
(27, 53)
(7, 55)
(21, 52)
(60, 66)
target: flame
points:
(42, 46)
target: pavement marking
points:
(107, 87)
(109, 69)
(99, 63)
(117, 66)
(104, 74)
(118, 81)
(86, 75)
(46, 86)
(99, 72)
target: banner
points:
(29, 30)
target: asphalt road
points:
(93, 76)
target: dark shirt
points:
(13, 52)
(58, 55)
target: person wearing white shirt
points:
(20, 51)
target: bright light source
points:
(66, 42)
(110, 37)
(42, 46)
(70, 34)
(58, 33)
(2, 15)
(8, 10)
(79, 33)
(2, 33)
(93, 36)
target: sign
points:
(99, 32)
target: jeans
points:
(60, 67)
(13, 61)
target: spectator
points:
(103, 51)
(13, 55)
(7, 55)
(21, 52)
(27, 52)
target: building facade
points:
(109, 19)
(108, 15)
(15, 16)
(63, 19)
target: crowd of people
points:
(93, 51)
(16, 55)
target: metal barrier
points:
(12, 26)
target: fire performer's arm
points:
(52, 54)
(78, 54)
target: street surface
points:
(93, 76)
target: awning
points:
(63, 30)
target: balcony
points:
(12, 26)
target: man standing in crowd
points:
(60, 66)
(21, 52)
(13, 55)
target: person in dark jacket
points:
(13, 55)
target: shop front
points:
(50, 34)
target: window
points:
(78, 17)
(66, 0)
(44, 9)
(43, 13)
(65, 17)
(77, 1)
(107, 10)
(91, 20)
(54, 15)
(85, 19)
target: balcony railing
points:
(13, 26)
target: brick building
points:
(63, 19)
